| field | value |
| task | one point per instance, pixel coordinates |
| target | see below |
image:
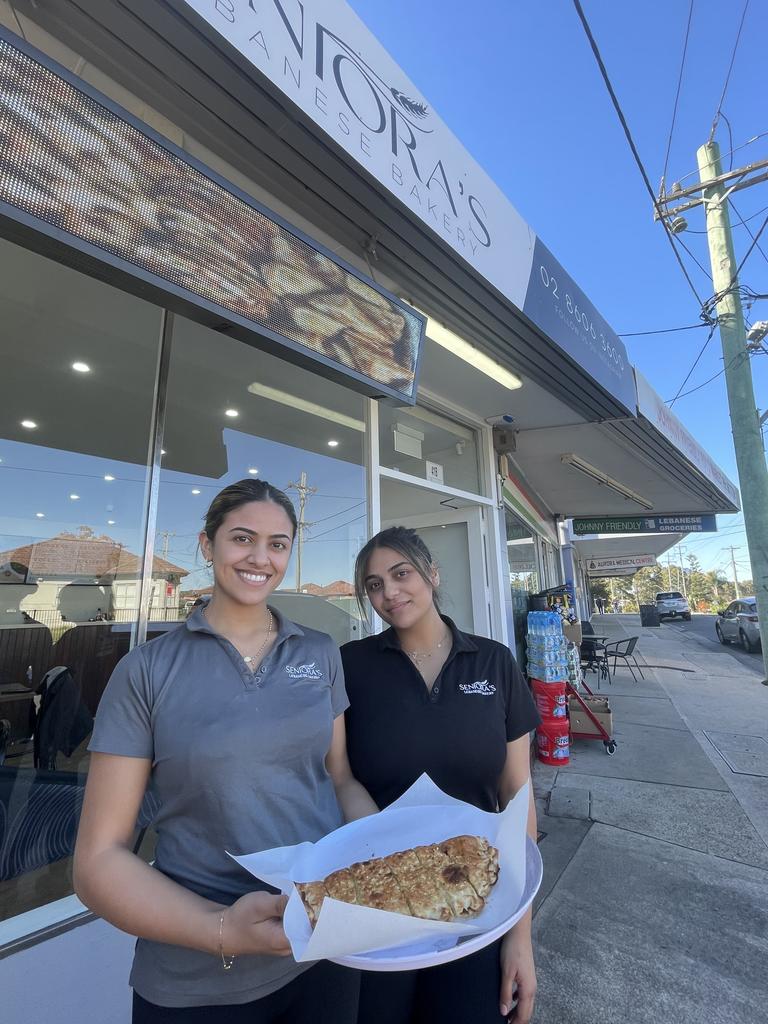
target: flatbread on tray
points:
(440, 882)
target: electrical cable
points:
(341, 526)
(677, 94)
(668, 330)
(739, 355)
(742, 221)
(730, 141)
(718, 296)
(713, 129)
(749, 232)
(743, 145)
(695, 363)
(630, 140)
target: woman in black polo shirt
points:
(425, 697)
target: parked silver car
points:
(738, 624)
(670, 604)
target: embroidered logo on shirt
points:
(309, 671)
(482, 687)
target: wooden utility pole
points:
(735, 575)
(304, 492)
(712, 192)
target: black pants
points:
(462, 992)
(325, 993)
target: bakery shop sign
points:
(81, 170)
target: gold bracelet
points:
(226, 961)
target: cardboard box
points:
(572, 631)
(582, 723)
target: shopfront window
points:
(522, 562)
(425, 444)
(79, 361)
(234, 412)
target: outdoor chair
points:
(592, 653)
(623, 651)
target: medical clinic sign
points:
(322, 57)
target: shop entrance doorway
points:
(455, 537)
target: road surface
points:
(701, 631)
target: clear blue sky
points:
(517, 84)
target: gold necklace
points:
(418, 657)
(249, 659)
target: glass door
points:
(455, 540)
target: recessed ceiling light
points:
(333, 444)
(108, 476)
(40, 515)
(110, 522)
(74, 497)
(29, 424)
(195, 490)
(232, 413)
(253, 470)
(81, 367)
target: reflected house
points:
(85, 578)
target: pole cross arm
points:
(673, 211)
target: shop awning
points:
(188, 67)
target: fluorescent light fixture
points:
(253, 470)
(29, 424)
(302, 405)
(195, 490)
(333, 444)
(232, 413)
(40, 515)
(108, 476)
(74, 497)
(110, 522)
(81, 367)
(471, 354)
(575, 462)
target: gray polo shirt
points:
(238, 764)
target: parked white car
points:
(671, 604)
(738, 624)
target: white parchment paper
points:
(424, 814)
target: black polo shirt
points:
(457, 733)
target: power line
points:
(749, 232)
(693, 367)
(742, 220)
(743, 145)
(728, 76)
(677, 93)
(339, 527)
(667, 330)
(630, 140)
(719, 373)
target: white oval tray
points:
(411, 958)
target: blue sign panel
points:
(561, 310)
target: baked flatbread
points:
(440, 882)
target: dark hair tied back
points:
(405, 542)
(243, 493)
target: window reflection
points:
(523, 575)
(79, 363)
(303, 434)
(423, 443)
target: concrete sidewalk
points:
(654, 905)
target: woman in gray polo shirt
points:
(235, 722)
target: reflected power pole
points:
(304, 492)
(735, 575)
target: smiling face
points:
(397, 590)
(250, 551)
